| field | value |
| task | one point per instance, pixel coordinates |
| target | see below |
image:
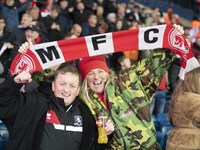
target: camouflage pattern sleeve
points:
(152, 69)
(143, 78)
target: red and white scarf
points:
(45, 55)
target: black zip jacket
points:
(25, 117)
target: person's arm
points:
(142, 78)
(151, 69)
(1, 5)
(10, 93)
(24, 6)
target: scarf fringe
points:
(192, 63)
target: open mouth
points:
(65, 94)
(97, 83)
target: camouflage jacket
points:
(129, 100)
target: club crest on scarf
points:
(25, 63)
(177, 41)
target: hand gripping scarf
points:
(45, 55)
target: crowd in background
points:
(53, 20)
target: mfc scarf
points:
(45, 55)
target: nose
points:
(96, 75)
(66, 89)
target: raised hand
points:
(23, 77)
(179, 28)
(25, 46)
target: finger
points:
(30, 42)
(25, 45)
(21, 50)
(179, 28)
(29, 80)
(109, 129)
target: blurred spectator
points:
(6, 45)
(124, 62)
(195, 28)
(34, 12)
(99, 14)
(55, 24)
(136, 14)
(33, 32)
(121, 15)
(110, 6)
(76, 30)
(90, 27)
(155, 18)
(113, 25)
(136, 24)
(197, 7)
(175, 19)
(80, 14)
(103, 28)
(144, 14)
(193, 33)
(89, 5)
(26, 21)
(168, 16)
(41, 4)
(187, 34)
(129, 6)
(100, 2)
(195, 22)
(171, 18)
(11, 11)
(66, 11)
(111, 20)
(196, 46)
(173, 73)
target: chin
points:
(99, 91)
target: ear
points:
(78, 91)
(53, 86)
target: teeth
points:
(97, 82)
(66, 94)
